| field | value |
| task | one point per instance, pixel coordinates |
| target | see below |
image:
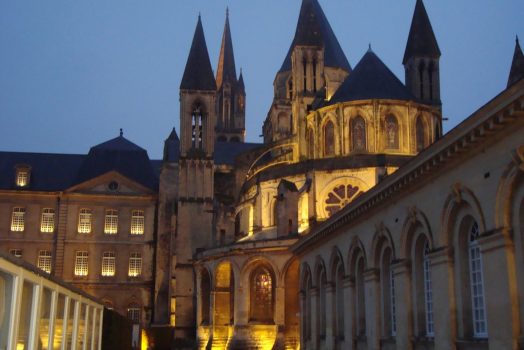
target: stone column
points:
(373, 319)
(303, 320)
(501, 294)
(349, 312)
(330, 316)
(444, 303)
(404, 308)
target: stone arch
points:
(334, 260)
(460, 200)
(306, 286)
(358, 129)
(392, 131)
(332, 202)
(292, 301)
(382, 237)
(421, 133)
(329, 118)
(252, 263)
(356, 249)
(204, 286)
(415, 220)
(357, 265)
(321, 284)
(511, 179)
(262, 280)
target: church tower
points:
(195, 202)
(421, 58)
(231, 95)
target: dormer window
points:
(22, 176)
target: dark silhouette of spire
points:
(313, 29)
(241, 86)
(517, 65)
(226, 70)
(421, 40)
(198, 74)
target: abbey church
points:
(356, 224)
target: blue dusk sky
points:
(73, 72)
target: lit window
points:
(48, 220)
(262, 295)
(135, 265)
(108, 264)
(111, 222)
(392, 141)
(22, 176)
(44, 260)
(133, 313)
(428, 293)
(81, 263)
(339, 197)
(329, 139)
(477, 285)
(18, 219)
(137, 222)
(17, 253)
(84, 221)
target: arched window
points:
(358, 134)
(329, 139)
(338, 305)
(428, 293)
(262, 295)
(360, 301)
(389, 326)
(197, 128)
(321, 304)
(421, 69)
(205, 296)
(310, 143)
(339, 197)
(478, 307)
(391, 132)
(420, 136)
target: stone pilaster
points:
(403, 307)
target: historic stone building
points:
(355, 225)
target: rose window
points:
(339, 197)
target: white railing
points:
(39, 312)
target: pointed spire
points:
(241, 81)
(421, 39)
(198, 74)
(226, 70)
(517, 65)
(313, 29)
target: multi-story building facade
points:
(227, 244)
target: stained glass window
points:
(329, 139)
(358, 134)
(262, 296)
(339, 197)
(391, 132)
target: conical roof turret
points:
(517, 65)
(198, 74)
(421, 40)
(313, 29)
(226, 70)
(241, 86)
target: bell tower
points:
(198, 110)
(421, 58)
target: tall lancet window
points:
(480, 329)
(358, 134)
(315, 75)
(329, 139)
(304, 65)
(420, 134)
(197, 128)
(391, 132)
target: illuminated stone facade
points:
(332, 234)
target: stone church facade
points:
(355, 225)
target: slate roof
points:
(226, 70)
(198, 74)
(121, 155)
(314, 29)
(226, 152)
(421, 40)
(49, 171)
(371, 79)
(517, 65)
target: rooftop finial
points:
(227, 11)
(517, 39)
(121, 132)
(369, 48)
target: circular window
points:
(339, 197)
(113, 186)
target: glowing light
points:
(144, 342)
